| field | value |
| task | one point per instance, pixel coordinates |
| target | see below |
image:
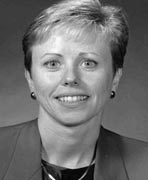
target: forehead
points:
(88, 38)
(84, 33)
(68, 47)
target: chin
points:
(73, 119)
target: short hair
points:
(75, 17)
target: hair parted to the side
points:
(75, 18)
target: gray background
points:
(127, 114)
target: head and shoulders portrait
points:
(74, 52)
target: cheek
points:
(45, 84)
(100, 86)
(99, 81)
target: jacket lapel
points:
(37, 175)
(25, 162)
(109, 163)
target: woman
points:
(74, 53)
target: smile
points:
(72, 99)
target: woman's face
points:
(72, 80)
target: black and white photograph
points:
(73, 90)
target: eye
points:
(89, 64)
(53, 64)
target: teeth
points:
(71, 99)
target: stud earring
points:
(113, 94)
(33, 95)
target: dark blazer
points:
(117, 158)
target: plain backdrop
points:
(127, 114)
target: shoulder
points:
(19, 146)
(133, 152)
(13, 130)
(9, 138)
(125, 144)
(10, 134)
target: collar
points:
(25, 163)
(26, 160)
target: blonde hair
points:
(75, 17)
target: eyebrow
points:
(86, 53)
(55, 54)
(80, 54)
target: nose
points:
(71, 77)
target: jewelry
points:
(83, 175)
(113, 94)
(33, 95)
(86, 171)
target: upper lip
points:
(71, 94)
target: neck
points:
(70, 147)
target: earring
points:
(33, 95)
(113, 94)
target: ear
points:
(29, 80)
(116, 79)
